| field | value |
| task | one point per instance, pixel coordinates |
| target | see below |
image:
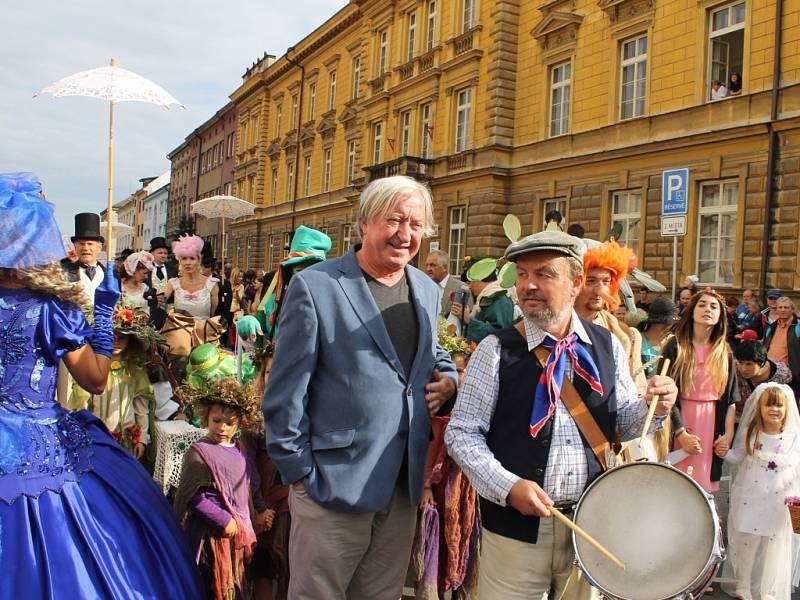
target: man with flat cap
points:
(515, 435)
(162, 271)
(88, 243)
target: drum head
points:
(655, 520)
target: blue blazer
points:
(340, 412)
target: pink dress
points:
(698, 411)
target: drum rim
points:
(717, 549)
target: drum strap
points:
(576, 406)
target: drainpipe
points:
(292, 61)
(769, 192)
(197, 181)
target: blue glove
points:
(106, 297)
(248, 327)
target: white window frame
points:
(639, 60)
(463, 109)
(326, 173)
(377, 142)
(295, 110)
(713, 34)
(383, 51)
(405, 133)
(559, 204)
(307, 177)
(332, 90)
(351, 161)
(252, 191)
(431, 33)
(456, 237)
(312, 100)
(274, 185)
(720, 211)
(290, 181)
(278, 119)
(426, 110)
(467, 15)
(411, 40)
(347, 237)
(356, 77)
(628, 216)
(560, 125)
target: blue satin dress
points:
(79, 517)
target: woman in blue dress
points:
(79, 517)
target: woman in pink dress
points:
(701, 363)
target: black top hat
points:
(87, 227)
(207, 255)
(158, 242)
(662, 312)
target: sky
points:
(197, 50)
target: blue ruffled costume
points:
(79, 517)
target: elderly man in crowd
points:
(356, 373)
(782, 340)
(437, 266)
(521, 443)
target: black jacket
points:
(792, 342)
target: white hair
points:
(381, 195)
(442, 257)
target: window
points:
(346, 237)
(468, 15)
(377, 142)
(332, 90)
(431, 41)
(253, 130)
(351, 161)
(253, 189)
(278, 117)
(427, 131)
(307, 178)
(412, 36)
(290, 181)
(405, 134)
(231, 144)
(228, 188)
(560, 86)
(326, 174)
(716, 235)
(295, 112)
(633, 77)
(457, 237)
(462, 120)
(312, 101)
(559, 204)
(726, 44)
(274, 185)
(626, 209)
(383, 51)
(356, 76)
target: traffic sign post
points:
(674, 206)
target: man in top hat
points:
(88, 243)
(511, 430)
(162, 271)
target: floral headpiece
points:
(187, 245)
(132, 262)
(228, 393)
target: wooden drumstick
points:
(580, 532)
(652, 411)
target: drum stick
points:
(652, 411)
(580, 532)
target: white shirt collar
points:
(536, 335)
(443, 282)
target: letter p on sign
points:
(674, 192)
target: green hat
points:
(207, 363)
(308, 245)
(553, 241)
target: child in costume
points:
(127, 402)
(767, 452)
(213, 499)
(446, 548)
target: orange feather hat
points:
(620, 260)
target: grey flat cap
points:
(554, 241)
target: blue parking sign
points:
(674, 192)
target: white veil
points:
(779, 556)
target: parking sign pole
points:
(674, 265)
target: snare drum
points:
(659, 522)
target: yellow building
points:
(524, 107)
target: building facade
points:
(183, 186)
(518, 107)
(155, 207)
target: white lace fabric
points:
(172, 440)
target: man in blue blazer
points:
(356, 374)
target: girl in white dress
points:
(192, 292)
(136, 268)
(767, 453)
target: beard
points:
(547, 316)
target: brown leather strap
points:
(576, 406)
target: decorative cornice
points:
(331, 63)
(623, 10)
(274, 148)
(557, 29)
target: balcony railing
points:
(412, 166)
(406, 71)
(379, 83)
(426, 61)
(463, 43)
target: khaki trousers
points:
(349, 556)
(515, 570)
